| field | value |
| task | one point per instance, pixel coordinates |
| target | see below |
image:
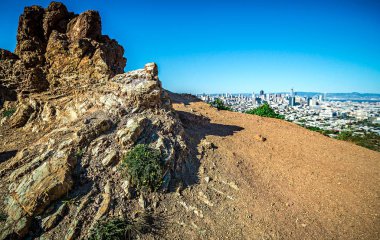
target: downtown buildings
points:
(311, 110)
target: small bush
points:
(122, 228)
(112, 229)
(265, 111)
(9, 112)
(143, 165)
(219, 104)
(345, 136)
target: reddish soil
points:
(297, 184)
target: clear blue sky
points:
(239, 46)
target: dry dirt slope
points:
(297, 184)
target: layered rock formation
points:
(73, 119)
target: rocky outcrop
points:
(57, 49)
(71, 114)
(86, 25)
(92, 131)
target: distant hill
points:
(343, 96)
(331, 96)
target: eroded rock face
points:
(56, 49)
(83, 137)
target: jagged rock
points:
(21, 116)
(57, 49)
(36, 191)
(207, 145)
(132, 131)
(86, 25)
(56, 17)
(51, 221)
(207, 179)
(110, 159)
(152, 69)
(30, 37)
(94, 129)
(103, 209)
(126, 186)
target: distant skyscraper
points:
(292, 101)
(261, 92)
(308, 101)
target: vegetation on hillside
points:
(265, 111)
(219, 104)
(143, 165)
(322, 131)
(368, 139)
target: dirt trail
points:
(297, 184)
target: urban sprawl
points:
(315, 111)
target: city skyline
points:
(216, 46)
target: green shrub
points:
(265, 111)
(219, 104)
(345, 136)
(123, 228)
(112, 229)
(9, 112)
(143, 166)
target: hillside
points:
(297, 184)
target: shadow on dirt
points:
(197, 127)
